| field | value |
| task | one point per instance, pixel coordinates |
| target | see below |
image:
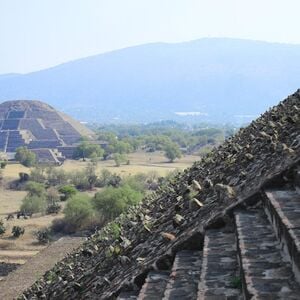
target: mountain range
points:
(206, 80)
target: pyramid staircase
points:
(255, 254)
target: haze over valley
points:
(207, 80)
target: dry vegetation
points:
(140, 162)
(19, 250)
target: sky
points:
(37, 34)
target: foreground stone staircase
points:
(255, 255)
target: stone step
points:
(219, 273)
(185, 276)
(154, 286)
(283, 210)
(265, 274)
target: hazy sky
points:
(35, 34)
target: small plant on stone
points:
(236, 283)
(17, 231)
(50, 276)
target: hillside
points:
(210, 79)
(182, 221)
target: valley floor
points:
(15, 252)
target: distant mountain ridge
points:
(212, 79)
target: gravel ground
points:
(16, 282)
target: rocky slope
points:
(175, 217)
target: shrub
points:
(113, 201)
(23, 177)
(107, 178)
(68, 191)
(37, 174)
(80, 181)
(35, 189)
(33, 204)
(3, 164)
(2, 227)
(172, 151)
(52, 199)
(104, 178)
(53, 208)
(58, 225)
(78, 211)
(56, 176)
(52, 195)
(119, 158)
(17, 231)
(92, 179)
(138, 182)
(114, 230)
(87, 150)
(25, 157)
(43, 235)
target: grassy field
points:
(140, 162)
(19, 250)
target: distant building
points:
(50, 134)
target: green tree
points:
(118, 147)
(37, 174)
(25, 157)
(172, 151)
(33, 204)
(79, 211)
(113, 201)
(87, 150)
(35, 189)
(68, 191)
(119, 159)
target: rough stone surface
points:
(244, 164)
(154, 286)
(283, 207)
(266, 274)
(185, 276)
(219, 266)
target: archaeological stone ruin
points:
(50, 134)
(226, 228)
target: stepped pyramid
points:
(226, 228)
(36, 125)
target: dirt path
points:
(16, 282)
